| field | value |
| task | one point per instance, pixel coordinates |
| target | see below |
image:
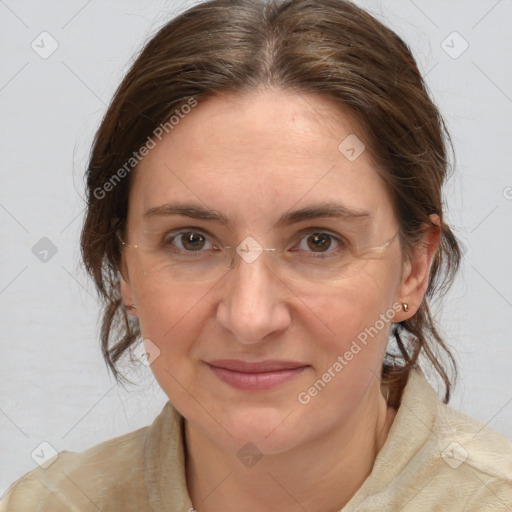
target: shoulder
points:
(96, 478)
(437, 458)
(467, 440)
(462, 462)
(474, 462)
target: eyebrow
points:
(321, 210)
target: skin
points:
(255, 156)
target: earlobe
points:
(416, 274)
(126, 294)
(126, 289)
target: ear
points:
(416, 271)
(125, 287)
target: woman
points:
(265, 213)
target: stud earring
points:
(130, 306)
(405, 306)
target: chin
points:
(270, 430)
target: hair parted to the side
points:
(331, 47)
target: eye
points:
(319, 242)
(187, 242)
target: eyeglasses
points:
(315, 256)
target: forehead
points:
(259, 154)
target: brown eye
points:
(319, 242)
(186, 242)
(320, 245)
(192, 241)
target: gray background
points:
(54, 386)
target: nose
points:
(252, 306)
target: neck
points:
(320, 475)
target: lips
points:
(264, 366)
(255, 376)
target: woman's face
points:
(254, 158)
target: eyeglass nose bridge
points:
(249, 252)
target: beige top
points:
(434, 459)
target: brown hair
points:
(330, 47)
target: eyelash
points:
(170, 237)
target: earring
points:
(130, 306)
(405, 306)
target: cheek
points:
(349, 358)
(353, 323)
(348, 310)
(173, 321)
(171, 318)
